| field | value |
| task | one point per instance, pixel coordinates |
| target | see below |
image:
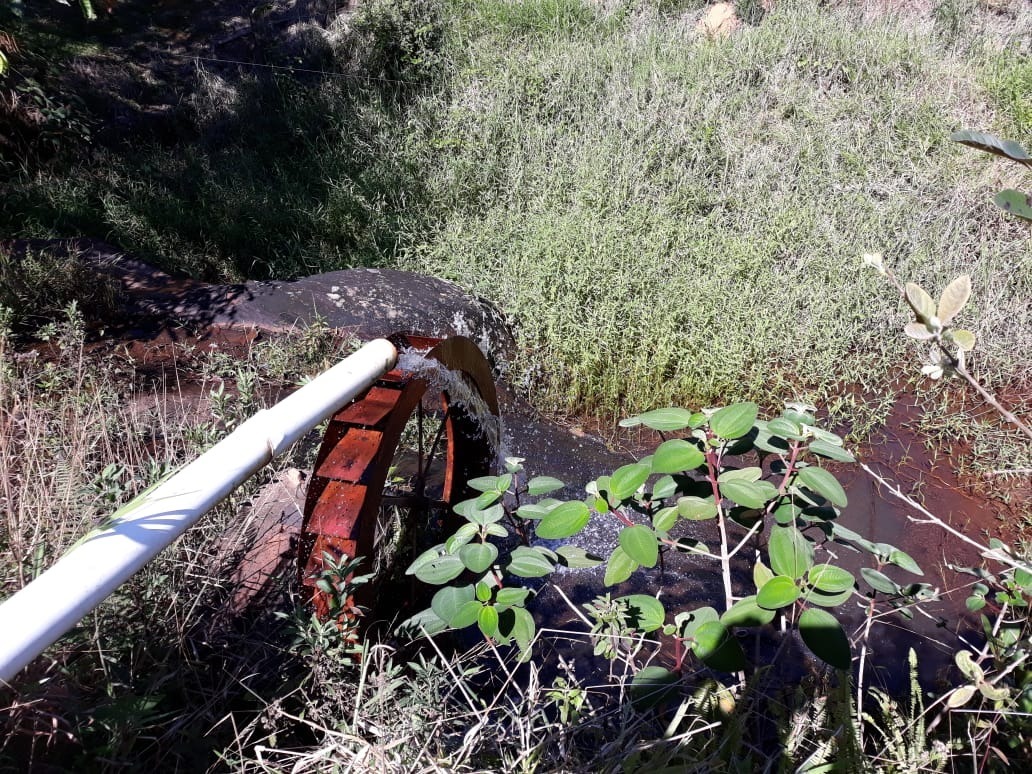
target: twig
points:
(931, 518)
(988, 397)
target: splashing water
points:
(461, 394)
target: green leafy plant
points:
(487, 599)
(780, 501)
(934, 324)
(1009, 199)
(998, 675)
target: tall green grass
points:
(672, 219)
(666, 218)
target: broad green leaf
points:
(803, 413)
(844, 533)
(823, 634)
(496, 530)
(785, 428)
(466, 615)
(449, 600)
(426, 620)
(483, 591)
(440, 570)
(488, 621)
(665, 519)
(821, 599)
(483, 484)
(478, 556)
(827, 436)
(465, 508)
(974, 604)
(991, 144)
(564, 520)
(537, 510)
(462, 536)
(486, 499)
(690, 621)
(540, 485)
(823, 483)
(625, 481)
(1014, 202)
(652, 685)
(761, 573)
(767, 442)
(791, 554)
(831, 451)
(696, 508)
(778, 592)
(919, 331)
(787, 513)
(717, 648)
(619, 567)
(487, 515)
(520, 627)
(965, 340)
(676, 456)
(904, 561)
(820, 514)
(577, 558)
(639, 543)
(879, 581)
(661, 419)
(968, 667)
(830, 579)
(994, 692)
(512, 596)
(504, 482)
(648, 611)
(745, 612)
(953, 298)
(961, 696)
(750, 494)
(734, 421)
(424, 559)
(741, 474)
(921, 302)
(664, 487)
(1023, 578)
(529, 563)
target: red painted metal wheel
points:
(394, 462)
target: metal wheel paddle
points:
(393, 463)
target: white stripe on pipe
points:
(35, 617)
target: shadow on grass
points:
(272, 151)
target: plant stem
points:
(989, 398)
(860, 670)
(712, 471)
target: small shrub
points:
(399, 40)
(37, 285)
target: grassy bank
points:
(666, 218)
(670, 218)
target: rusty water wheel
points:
(391, 466)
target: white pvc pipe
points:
(35, 617)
